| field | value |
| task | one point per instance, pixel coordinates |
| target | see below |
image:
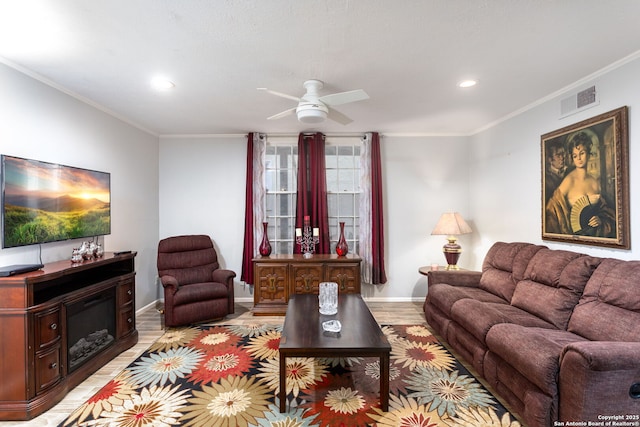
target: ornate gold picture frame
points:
(585, 182)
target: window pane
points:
(270, 180)
(331, 161)
(332, 201)
(345, 157)
(283, 154)
(345, 205)
(285, 205)
(346, 180)
(285, 227)
(332, 180)
(270, 205)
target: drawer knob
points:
(54, 365)
(130, 320)
(53, 326)
(129, 292)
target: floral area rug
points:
(228, 376)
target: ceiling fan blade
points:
(285, 113)
(337, 116)
(344, 97)
(280, 94)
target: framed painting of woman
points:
(585, 182)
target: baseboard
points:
(250, 300)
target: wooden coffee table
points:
(303, 336)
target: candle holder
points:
(307, 238)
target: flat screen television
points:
(47, 202)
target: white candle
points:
(298, 232)
(316, 231)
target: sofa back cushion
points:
(609, 309)
(553, 284)
(504, 266)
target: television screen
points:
(46, 202)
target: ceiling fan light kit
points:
(312, 113)
(313, 108)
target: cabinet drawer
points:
(347, 276)
(306, 278)
(48, 370)
(125, 292)
(47, 326)
(126, 321)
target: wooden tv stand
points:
(35, 370)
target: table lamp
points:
(451, 224)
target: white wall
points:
(505, 168)
(196, 184)
(42, 123)
(202, 187)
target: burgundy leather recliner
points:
(196, 289)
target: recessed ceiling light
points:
(467, 83)
(161, 83)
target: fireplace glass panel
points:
(91, 325)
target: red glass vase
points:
(342, 248)
(265, 246)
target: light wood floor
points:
(150, 328)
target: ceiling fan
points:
(313, 108)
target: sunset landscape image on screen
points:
(46, 202)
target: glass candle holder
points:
(328, 298)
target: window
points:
(342, 157)
(281, 168)
(343, 192)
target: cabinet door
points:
(306, 278)
(346, 275)
(271, 283)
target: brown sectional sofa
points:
(556, 333)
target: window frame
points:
(283, 241)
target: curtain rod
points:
(331, 135)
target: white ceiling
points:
(407, 55)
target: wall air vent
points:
(579, 101)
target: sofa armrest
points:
(170, 283)
(455, 277)
(599, 378)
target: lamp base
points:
(452, 251)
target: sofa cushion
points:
(533, 352)
(609, 309)
(553, 283)
(200, 292)
(478, 317)
(504, 266)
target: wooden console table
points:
(36, 365)
(277, 277)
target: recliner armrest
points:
(170, 283)
(599, 378)
(223, 276)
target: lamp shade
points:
(451, 224)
